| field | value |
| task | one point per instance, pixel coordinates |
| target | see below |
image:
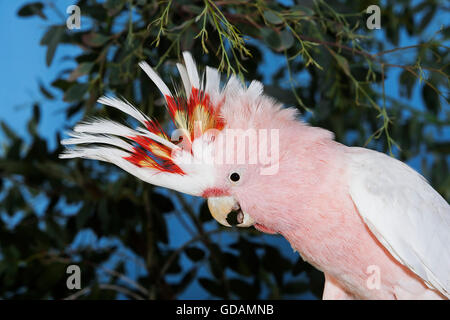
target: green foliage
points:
(347, 67)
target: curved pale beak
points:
(227, 211)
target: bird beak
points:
(227, 211)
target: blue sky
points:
(22, 62)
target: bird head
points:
(225, 143)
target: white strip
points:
(104, 126)
(233, 87)
(81, 138)
(94, 153)
(155, 78)
(124, 106)
(212, 86)
(184, 79)
(191, 70)
(255, 90)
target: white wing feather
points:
(405, 214)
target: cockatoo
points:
(373, 225)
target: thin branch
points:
(172, 257)
(106, 286)
(126, 279)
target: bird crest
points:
(192, 112)
(147, 151)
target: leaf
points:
(205, 214)
(407, 82)
(299, 267)
(212, 287)
(52, 169)
(186, 280)
(431, 98)
(45, 92)
(440, 147)
(95, 39)
(316, 281)
(85, 67)
(34, 121)
(243, 289)
(104, 215)
(195, 254)
(83, 216)
(32, 9)
(164, 203)
(62, 84)
(343, 63)
(76, 92)
(73, 109)
(279, 41)
(239, 264)
(295, 287)
(160, 226)
(287, 39)
(8, 131)
(446, 32)
(271, 17)
(114, 5)
(82, 69)
(13, 201)
(274, 261)
(303, 10)
(427, 17)
(271, 38)
(52, 38)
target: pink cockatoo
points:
(374, 226)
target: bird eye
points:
(235, 177)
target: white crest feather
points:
(212, 86)
(191, 70)
(233, 88)
(125, 107)
(83, 138)
(155, 78)
(255, 89)
(94, 153)
(103, 126)
(185, 79)
(118, 137)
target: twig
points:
(126, 279)
(105, 286)
(172, 257)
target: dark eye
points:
(235, 177)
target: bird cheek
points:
(263, 228)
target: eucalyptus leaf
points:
(273, 18)
(76, 92)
